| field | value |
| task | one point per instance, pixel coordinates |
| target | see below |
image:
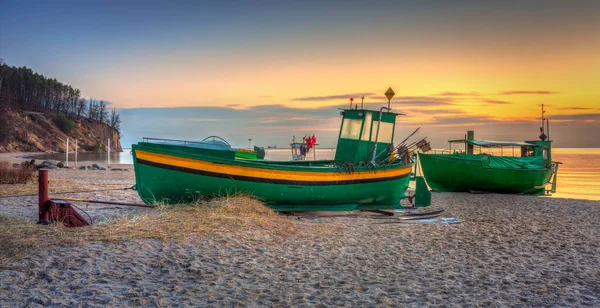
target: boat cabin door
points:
(356, 140)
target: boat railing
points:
(178, 142)
(486, 152)
(445, 151)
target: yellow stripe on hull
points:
(267, 173)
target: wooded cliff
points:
(39, 114)
(26, 131)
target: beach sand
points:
(509, 250)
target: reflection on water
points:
(578, 176)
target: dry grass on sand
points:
(177, 223)
(57, 186)
(11, 175)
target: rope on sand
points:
(65, 192)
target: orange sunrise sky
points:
(271, 70)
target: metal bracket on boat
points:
(348, 167)
(377, 133)
(217, 137)
(411, 199)
(367, 164)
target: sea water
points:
(578, 175)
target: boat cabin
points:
(358, 135)
(536, 148)
(539, 148)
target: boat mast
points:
(543, 136)
(542, 127)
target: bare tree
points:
(115, 120)
(92, 109)
(80, 107)
(102, 112)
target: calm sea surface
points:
(578, 176)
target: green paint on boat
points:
(422, 193)
(176, 173)
(245, 154)
(463, 172)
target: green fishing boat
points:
(462, 170)
(366, 174)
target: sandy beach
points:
(508, 251)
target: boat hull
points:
(451, 173)
(172, 175)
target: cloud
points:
(441, 111)
(466, 97)
(265, 124)
(205, 120)
(495, 102)
(575, 108)
(459, 94)
(313, 123)
(331, 97)
(463, 119)
(424, 100)
(518, 92)
(276, 124)
(289, 112)
(590, 117)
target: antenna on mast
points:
(543, 136)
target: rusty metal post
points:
(42, 193)
(470, 136)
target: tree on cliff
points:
(115, 121)
(92, 109)
(80, 108)
(23, 89)
(102, 112)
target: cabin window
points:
(545, 154)
(351, 129)
(527, 151)
(367, 127)
(386, 132)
